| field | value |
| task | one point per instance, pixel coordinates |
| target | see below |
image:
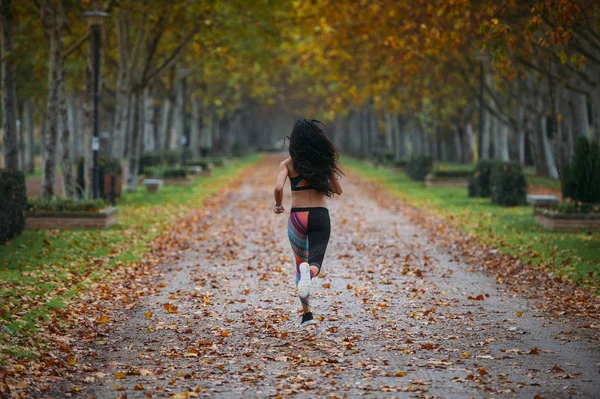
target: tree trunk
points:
(164, 111)
(179, 114)
(121, 123)
(595, 105)
(502, 142)
(389, 137)
(134, 144)
(196, 128)
(521, 134)
(580, 114)
(66, 160)
(485, 138)
(458, 146)
(28, 126)
(21, 135)
(148, 124)
(8, 87)
(470, 139)
(54, 36)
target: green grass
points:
(44, 270)
(514, 230)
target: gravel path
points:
(398, 317)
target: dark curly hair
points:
(314, 155)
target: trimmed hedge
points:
(164, 158)
(13, 200)
(57, 204)
(479, 181)
(454, 174)
(580, 179)
(507, 183)
(418, 167)
(166, 172)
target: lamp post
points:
(95, 20)
(483, 57)
(185, 140)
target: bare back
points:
(306, 198)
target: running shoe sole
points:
(304, 283)
(308, 323)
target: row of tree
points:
(455, 79)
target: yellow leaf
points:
(519, 314)
(465, 355)
(148, 315)
(400, 373)
(103, 319)
(120, 375)
(225, 333)
(185, 395)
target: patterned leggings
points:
(308, 231)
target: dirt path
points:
(397, 314)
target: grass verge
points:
(44, 270)
(513, 230)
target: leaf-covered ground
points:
(213, 313)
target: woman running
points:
(314, 174)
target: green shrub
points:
(454, 174)
(198, 162)
(57, 204)
(479, 181)
(573, 207)
(13, 200)
(111, 166)
(507, 183)
(166, 172)
(418, 167)
(157, 158)
(400, 163)
(580, 179)
(174, 173)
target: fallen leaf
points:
(185, 395)
(465, 355)
(103, 319)
(120, 375)
(400, 373)
(170, 308)
(148, 315)
(519, 314)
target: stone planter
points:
(185, 182)
(152, 185)
(195, 170)
(434, 181)
(542, 201)
(71, 220)
(555, 221)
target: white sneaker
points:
(304, 283)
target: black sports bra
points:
(298, 183)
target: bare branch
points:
(171, 59)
